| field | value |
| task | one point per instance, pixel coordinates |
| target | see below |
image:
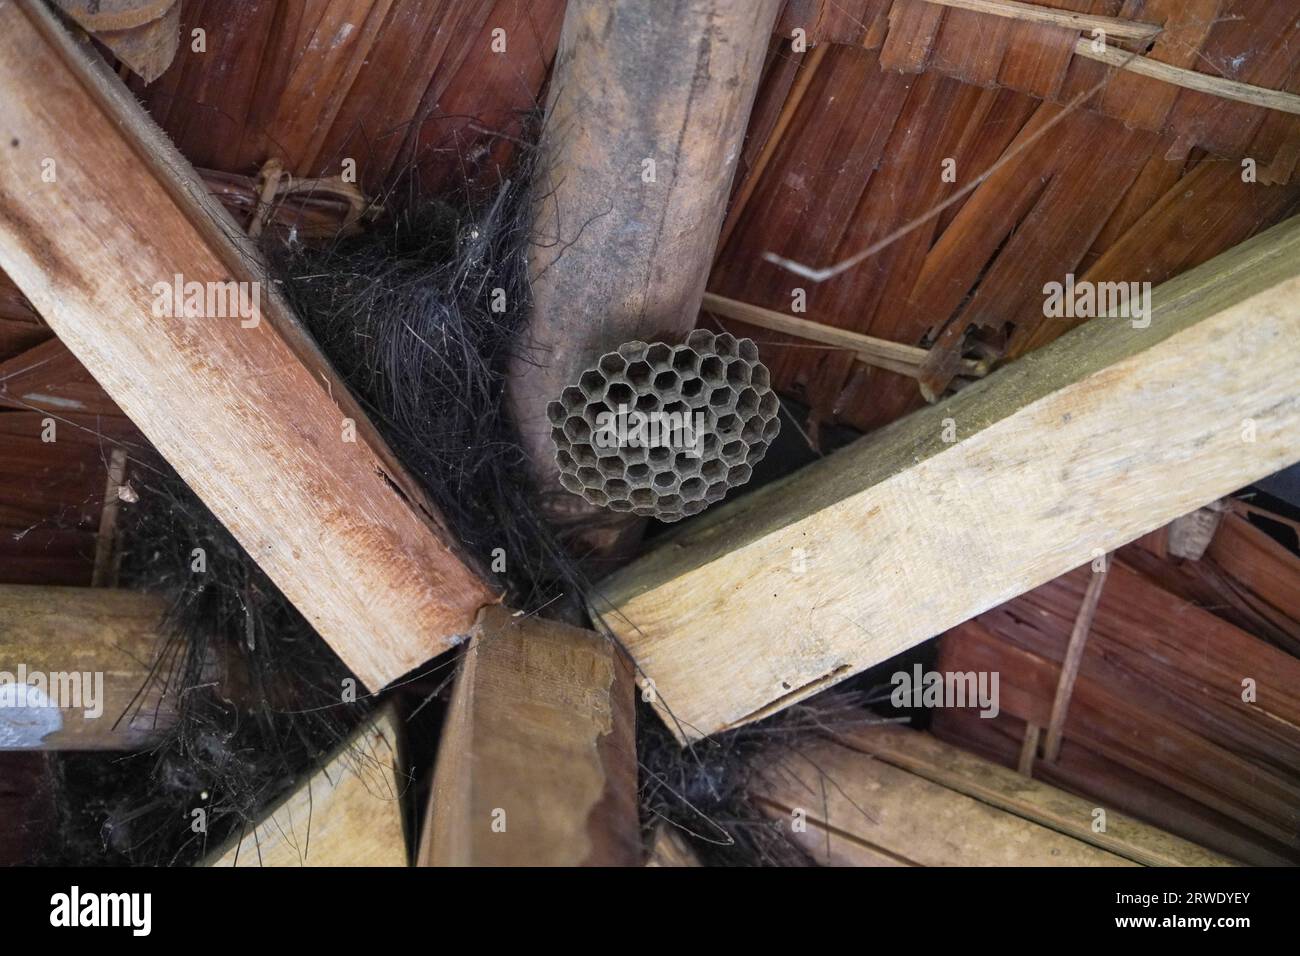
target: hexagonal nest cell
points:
(665, 431)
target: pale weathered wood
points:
(537, 764)
(846, 808)
(1037, 13)
(251, 416)
(1191, 534)
(1107, 433)
(109, 640)
(644, 126)
(953, 768)
(348, 813)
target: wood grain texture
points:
(669, 848)
(349, 813)
(111, 639)
(1106, 434)
(618, 257)
(537, 764)
(1202, 51)
(831, 189)
(1161, 751)
(1038, 13)
(1245, 578)
(253, 418)
(401, 88)
(1098, 779)
(51, 492)
(958, 770)
(861, 811)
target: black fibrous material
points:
(419, 316)
(708, 790)
(258, 697)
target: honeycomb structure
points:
(715, 382)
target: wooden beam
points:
(249, 413)
(1111, 431)
(90, 651)
(953, 768)
(846, 808)
(644, 125)
(537, 765)
(349, 813)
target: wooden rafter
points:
(1111, 431)
(250, 415)
(537, 764)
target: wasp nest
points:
(665, 431)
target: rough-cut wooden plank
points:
(913, 26)
(349, 813)
(860, 811)
(905, 534)
(1245, 578)
(51, 493)
(328, 55)
(927, 757)
(1198, 216)
(250, 415)
(97, 645)
(537, 764)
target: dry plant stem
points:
(1070, 666)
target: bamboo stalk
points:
(1034, 13)
(881, 353)
(1190, 79)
